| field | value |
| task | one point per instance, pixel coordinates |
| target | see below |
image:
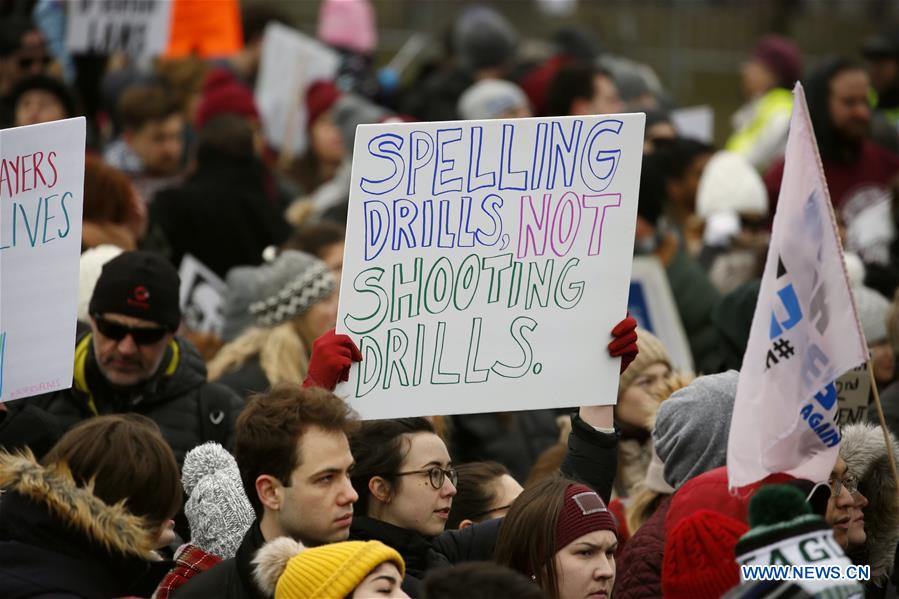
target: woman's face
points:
(415, 504)
(326, 140)
(321, 317)
(383, 581)
(635, 405)
(839, 507)
(586, 567)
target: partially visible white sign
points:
(290, 62)
(202, 293)
(140, 28)
(651, 303)
(41, 198)
(696, 122)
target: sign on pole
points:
(41, 197)
(487, 261)
(651, 303)
(853, 393)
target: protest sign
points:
(290, 62)
(201, 295)
(651, 303)
(140, 28)
(206, 28)
(487, 261)
(696, 122)
(853, 391)
(41, 198)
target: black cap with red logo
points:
(140, 285)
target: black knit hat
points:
(52, 86)
(140, 285)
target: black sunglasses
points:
(117, 332)
(26, 63)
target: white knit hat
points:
(90, 266)
(217, 508)
(729, 183)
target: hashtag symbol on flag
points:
(783, 349)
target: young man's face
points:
(605, 96)
(317, 506)
(38, 106)
(30, 59)
(159, 145)
(884, 74)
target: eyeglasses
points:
(26, 62)
(836, 486)
(117, 332)
(436, 475)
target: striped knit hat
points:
(287, 287)
(288, 570)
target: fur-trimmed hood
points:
(865, 454)
(110, 527)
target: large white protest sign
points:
(201, 295)
(290, 62)
(651, 303)
(140, 28)
(41, 197)
(805, 332)
(487, 261)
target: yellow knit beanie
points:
(288, 570)
(651, 352)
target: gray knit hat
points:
(490, 99)
(692, 427)
(217, 508)
(276, 292)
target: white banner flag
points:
(805, 331)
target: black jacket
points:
(188, 410)
(225, 215)
(514, 439)
(246, 380)
(232, 578)
(422, 554)
(592, 458)
(59, 540)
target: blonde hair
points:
(641, 507)
(283, 352)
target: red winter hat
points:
(700, 556)
(583, 512)
(781, 56)
(224, 94)
(320, 97)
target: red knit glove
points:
(332, 356)
(624, 344)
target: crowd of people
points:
(184, 464)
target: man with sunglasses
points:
(132, 361)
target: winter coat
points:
(28, 426)
(188, 410)
(889, 400)
(222, 215)
(246, 380)
(58, 539)
(422, 554)
(639, 565)
(761, 127)
(232, 578)
(865, 454)
(514, 439)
